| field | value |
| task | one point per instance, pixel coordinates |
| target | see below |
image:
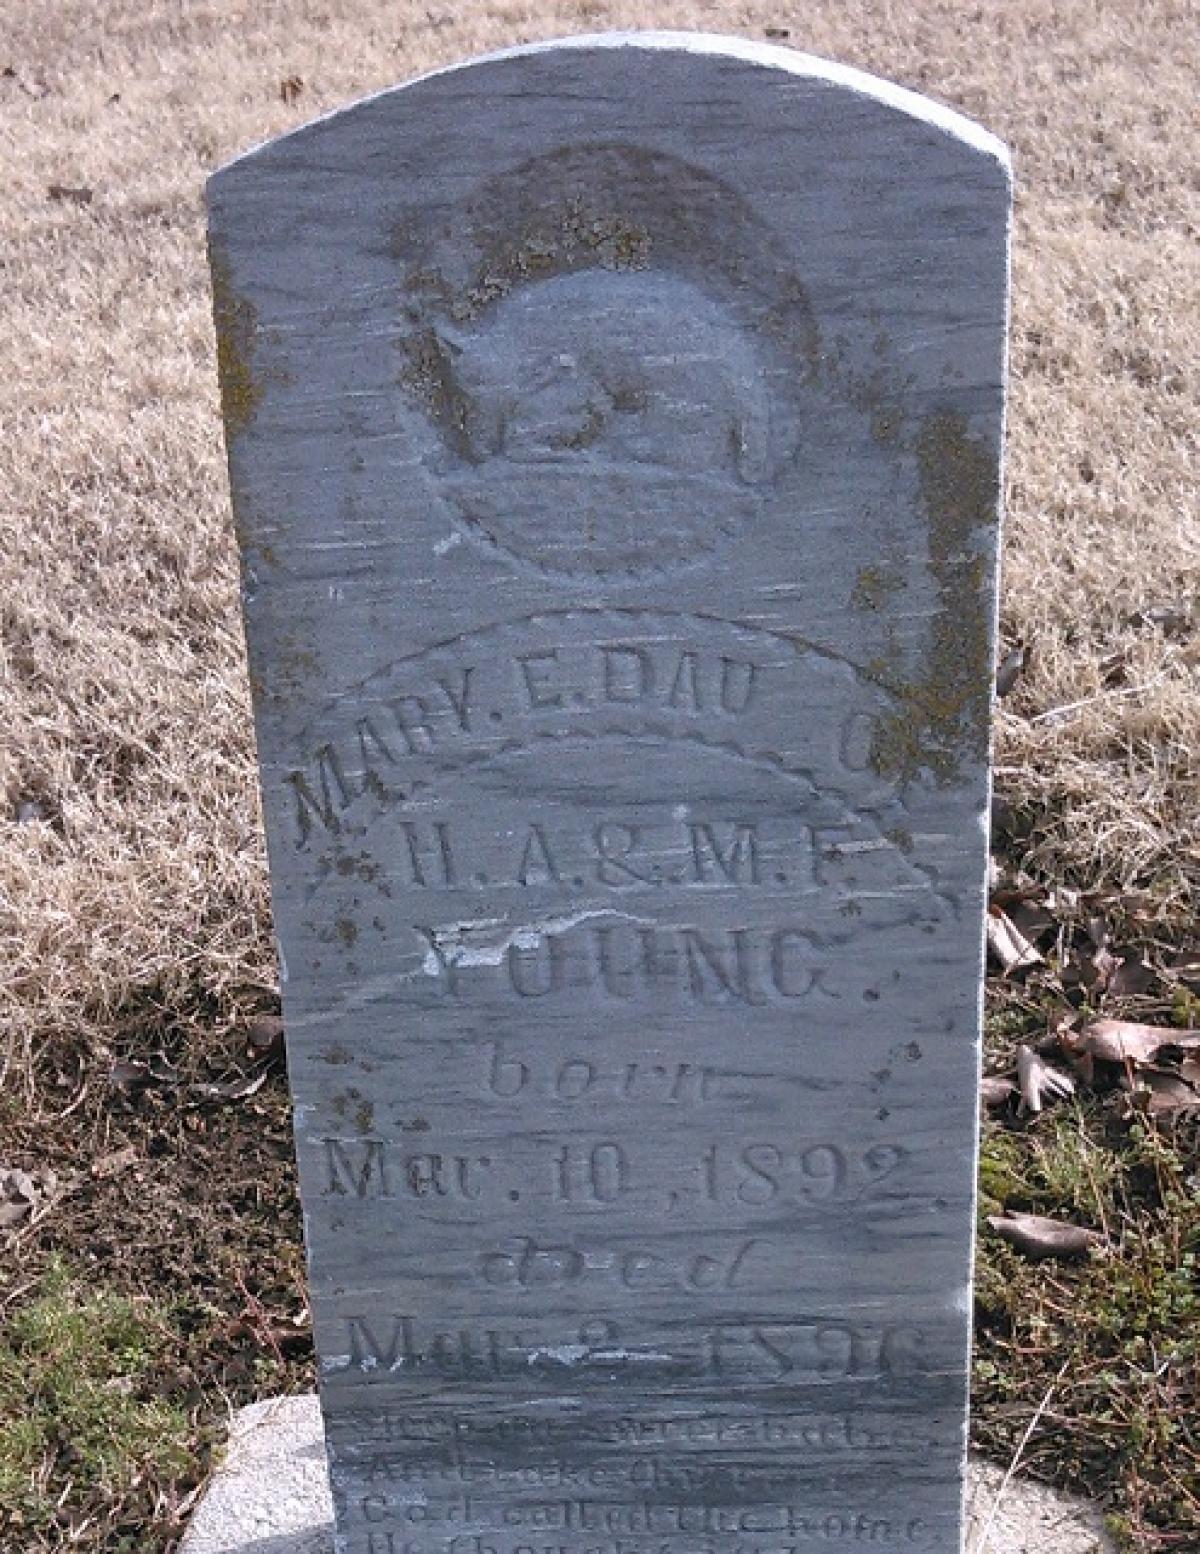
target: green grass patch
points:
(1108, 1347)
(82, 1427)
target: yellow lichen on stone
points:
(872, 587)
(580, 238)
(942, 719)
(235, 324)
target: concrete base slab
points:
(1029, 1518)
(271, 1496)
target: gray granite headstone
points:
(614, 431)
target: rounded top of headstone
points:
(698, 45)
(609, 309)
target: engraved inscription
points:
(630, 674)
(525, 1264)
(796, 1527)
(469, 709)
(845, 854)
(801, 1525)
(508, 1073)
(801, 1351)
(582, 675)
(370, 1168)
(595, 1174)
(430, 1475)
(623, 960)
(444, 1444)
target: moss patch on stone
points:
(942, 717)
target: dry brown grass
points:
(141, 886)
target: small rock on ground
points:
(271, 1496)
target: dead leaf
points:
(128, 1076)
(21, 1192)
(1131, 976)
(18, 1197)
(1038, 1237)
(290, 88)
(108, 1166)
(264, 1035)
(234, 1089)
(1114, 669)
(1039, 1081)
(995, 1089)
(1171, 619)
(1010, 669)
(74, 194)
(1009, 946)
(1186, 967)
(1166, 1090)
(1127, 1041)
(1032, 920)
(1096, 969)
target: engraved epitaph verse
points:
(614, 443)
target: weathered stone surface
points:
(614, 433)
(271, 1496)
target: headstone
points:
(614, 431)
